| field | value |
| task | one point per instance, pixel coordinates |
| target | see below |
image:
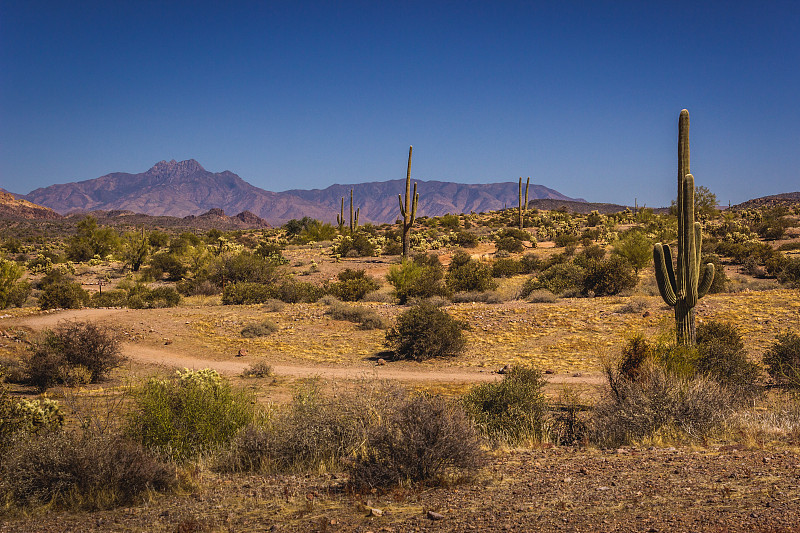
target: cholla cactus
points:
(409, 210)
(681, 287)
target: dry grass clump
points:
(260, 329)
(541, 296)
(364, 317)
(259, 369)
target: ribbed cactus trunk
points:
(409, 210)
(523, 207)
(683, 286)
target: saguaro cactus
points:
(523, 207)
(409, 210)
(681, 287)
(353, 220)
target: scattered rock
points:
(548, 371)
(167, 342)
(242, 352)
(375, 512)
(505, 370)
(381, 361)
(577, 375)
(431, 515)
(646, 314)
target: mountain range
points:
(183, 188)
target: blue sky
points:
(582, 97)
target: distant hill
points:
(13, 208)
(787, 199)
(185, 188)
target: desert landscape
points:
(259, 378)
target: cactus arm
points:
(414, 204)
(402, 208)
(706, 281)
(665, 276)
(527, 184)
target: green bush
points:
(247, 293)
(142, 297)
(110, 298)
(12, 291)
(420, 278)
(63, 295)
(167, 263)
(465, 239)
(245, 267)
(425, 331)
(259, 329)
(509, 244)
(636, 248)
(293, 292)
(782, 359)
(69, 470)
(26, 417)
(353, 285)
(609, 277)
(357, 245)
(721, 356)
(424, 439)
(506, 267)
(189, 414)
(71, 346)
(558, 279)
(466, 274)
(512, 410)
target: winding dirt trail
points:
(170, 356)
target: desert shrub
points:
(589, 255)
(356, 245)
(273, 305)
(529, 263)
(782, 359)
(636, 353)
(465, 239)
(110, 298)
(314, 432)
(191, 413)
(247, 293)
(609, 277)
(563, 239)
(507, 267)
(292, 292)
(424, 439)
(12, 291)
(80, 472)
(540, 296)
(558, 279)
(467, 274)
(353, 285)
(259, 369)
(366, 318)
(63, 295)
(425, 331)
(244, 267)
(420, 278)
(789, 272)
(512, 410)
(259, 329)
(167, 264)
(659, 405)
(142, 297)
(636, 248)
(70, 349)
(509, 244)
(721, 356)
(197, 287)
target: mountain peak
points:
(176, 168)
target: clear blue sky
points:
(582, 97)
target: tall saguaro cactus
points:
(682, 286)
(353, 220)
(409, 210)
(523, 207)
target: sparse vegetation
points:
(424, 331)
